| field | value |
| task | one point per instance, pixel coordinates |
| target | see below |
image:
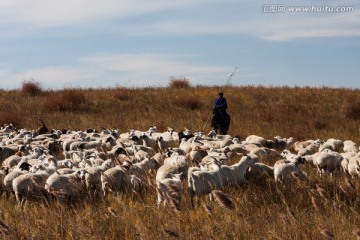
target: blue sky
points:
(109, 43)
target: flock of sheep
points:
(64, 164)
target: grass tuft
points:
(68, 100)
(31, 87)
(179, 82)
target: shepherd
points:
(220, 119)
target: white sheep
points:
(115, 180)
(203, 182)
(303, 144)
(136, 183)
(286, 170)
(66, 188)
(3, 173)
(169, 190)
(235, 174)
(350, 146)
(258, 171)
(23, 168)
(92, 175)
(31, 186)
(328, 161)
(254, 139)
(354, 166)
(335, 144)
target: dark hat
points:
(221, 93)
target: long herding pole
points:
(227, 83)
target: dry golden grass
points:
(316, 209)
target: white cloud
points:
(44, 13)
(156, 69)
(133, 70)
(49, 77)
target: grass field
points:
(321, 208)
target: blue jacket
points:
(221, 103)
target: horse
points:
(220, 121)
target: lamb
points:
(115, 180)
(67, 188)
(169, 190)
(283, 172)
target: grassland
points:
(322, 208)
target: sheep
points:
(30, 186)
(148, 141)
(66, 188)
(234, 175)
(165, 171)
(7, 151)
(354, 166)
(350, 146)
(3, 172)
(196, 155)
(115, 180)
(179, 162)
(328, 161)
(12, 161)
(279, 143)
(296, 146)
(284, 171)
(92, 175)
(43, 129)
(259, 171)
(158, 158)
(169, 190)
(209, 163)
(345, 161)
(265, 154)
(8, 179)
(310, 149)
(257, 140)
(164, 144)
(203, 182)
(336, 144)
(136, 183)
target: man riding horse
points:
(220, 119)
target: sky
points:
(138, 43)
